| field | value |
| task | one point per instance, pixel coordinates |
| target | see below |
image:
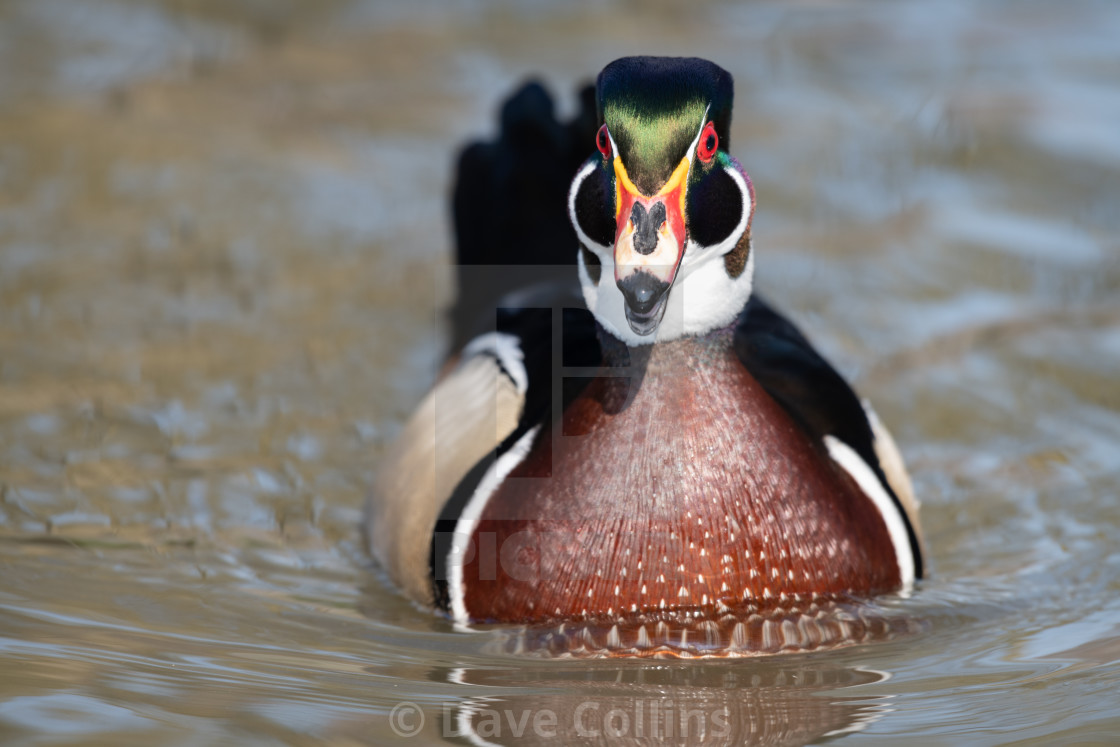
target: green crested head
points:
(660, 185)
(654, 108)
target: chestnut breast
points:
(674, 483)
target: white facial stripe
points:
(706, 299)
(585, 280)
(847, 458)
(594, 246)
(696, 140)
(696, 254)
(472, 513)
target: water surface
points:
(224, 249)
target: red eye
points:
(709, 141)
(603, 140)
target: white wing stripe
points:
(847, 458)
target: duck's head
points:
(662, 211)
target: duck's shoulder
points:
(491, 392)
(814, 394)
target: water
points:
(223, 251)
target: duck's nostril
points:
(646, 225)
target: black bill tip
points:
(645, 297)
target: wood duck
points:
(659, 446)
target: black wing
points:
(535, 317)
(516, 254)
(809, 390)
(510, 200)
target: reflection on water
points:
(774, 703)
(223, 251)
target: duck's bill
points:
(645, 296)
(645, 273)
(648, 247)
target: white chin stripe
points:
(472, 513)
(606, 301)
(702, 299)
(858, 469)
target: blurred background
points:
(224, 259)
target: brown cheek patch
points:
(688, 499)
(736, 260)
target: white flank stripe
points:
(847, 458)
(472, 512)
